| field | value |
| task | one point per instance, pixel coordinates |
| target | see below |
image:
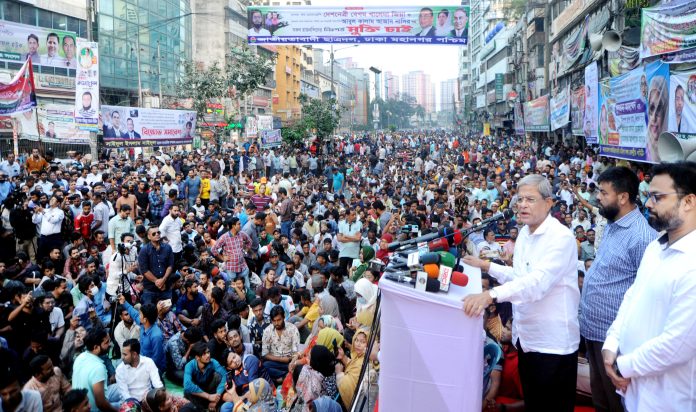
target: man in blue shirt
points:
(5, 187)
(192, 185)
(338, 181)
(204, 378)
(156, 263)
(151, 337)
(190, 305)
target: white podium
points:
(431, 353)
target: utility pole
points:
(90, 37)
(159, 73)
(89, 20)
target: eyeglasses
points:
(657, 197)
(155, 233)
(529, 200)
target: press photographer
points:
(123, 263)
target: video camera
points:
(412, 228)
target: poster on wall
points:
(560, 109)
(536, 115)
(682, 102)
(137, 126)
(519, 119)
(87, 86)
(251, 128)
(667, 27)
(57, 124)
(591, 96)
(264, 123)
(633, 112)
(577, 111)
(46, 47)
(371, 24)
(19, 95)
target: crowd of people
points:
(240, 278)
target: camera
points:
(409, 228)
(124, 248)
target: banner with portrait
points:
(519, 119)
(668, 27)
(633, 112)
(251, 127)
(536, 115)
(591, 104)
(682, 103)
(577, 111)
(560, 109)
(87, 86)
(370, 24)
(57, 124)
(270, 138)
(137, 126)
(264, 122)
(46, 47)
(19, 95)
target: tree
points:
(320, 116)
(420, 112)
(248, 70)
(202, 85)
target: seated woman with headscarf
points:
(366, 293)
(318, 378)
(259, 398)
(348, 369)
(328, 306)
(367, 253)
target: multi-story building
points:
(418, 85)
(286, 94)
(449, 94)
(391, 85)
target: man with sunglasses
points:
(156, 263)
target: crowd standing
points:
(240, 278)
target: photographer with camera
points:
(123, 263)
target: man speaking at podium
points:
(542, 287)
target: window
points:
(10, 11)
(60, 22)
(73, 24)
(29, 16)
(44, 18)
(106, 23)
(82, 30)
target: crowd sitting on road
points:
(248, 276)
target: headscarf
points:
(260, 397)
(310, 385)
(367, 290)
(322, 360)
(348, 383)
(368, 253)
(328, 320)
(383, 254)
(326, 404)
(130, 405)
(328, 336)
(329, 305)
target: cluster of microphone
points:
(429, 262)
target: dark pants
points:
(345, 263)
(604, 396)
(47, 243)
(209, 386)
(154, 296)
(277, 370)
(548, 381)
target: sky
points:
(440, 61)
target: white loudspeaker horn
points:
(595, 41)
(673, 149)
(611, 41)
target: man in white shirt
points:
(170, 229)
(137, 374)
(542, 287)
(649, 352)
(9, 166)
(49, 221)
(126, 328)
(257, 25)
(349, 236)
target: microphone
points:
(459, 279)
(436, 241)
(432, 285)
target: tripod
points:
(121, 290)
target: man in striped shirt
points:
(626, 236)
(231, 247)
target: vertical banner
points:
(577, 111)
(486, 129)
(682, 119)
(519, 119)
(264, 123)
(536, 115)
(560, 109)
(633, 113)
(87, 86)
(499, 80)
(251, 129)
(19, 95)
(591, 104)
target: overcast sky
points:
(440, 61)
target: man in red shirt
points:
(83, 222)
